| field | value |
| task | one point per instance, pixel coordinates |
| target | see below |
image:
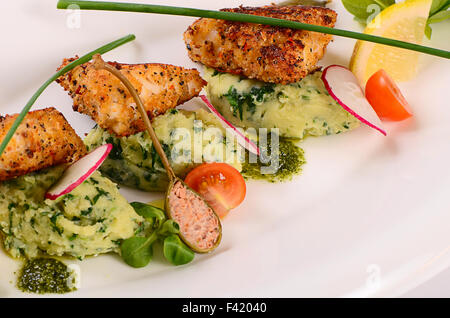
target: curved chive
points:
(232, 16)
(85, 58)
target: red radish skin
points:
(343, 105)
(70, 187)
(242, 139)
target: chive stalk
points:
(240, 17)
(85, 58)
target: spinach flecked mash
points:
(298, 110)
(188, 138)
(92, 219)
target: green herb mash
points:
(134, 162)
(92, 219)
(298, 110)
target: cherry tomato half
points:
(221, 185)
(385, 97)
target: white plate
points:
(368, 217)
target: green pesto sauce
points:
(291, 160)
(45, 275)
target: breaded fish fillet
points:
(43, 139)
(267, 53)
(102, 96)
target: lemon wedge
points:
(403, 21)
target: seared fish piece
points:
(267, 53)
(102, 96)
(43, 139)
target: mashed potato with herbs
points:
(92, 219)
(298, 110)
(188, 138)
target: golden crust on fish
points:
(267, 53)
(43, 139)
(102, 96)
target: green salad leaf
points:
(151, 214)
(439, 5)
(364, 12)
(439, 17)
(361, 8)
(169, 227)
(439, 12)
(137, 251)
(176, 252)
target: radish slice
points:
(79, 171)
(241, 138)
(344, 88)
